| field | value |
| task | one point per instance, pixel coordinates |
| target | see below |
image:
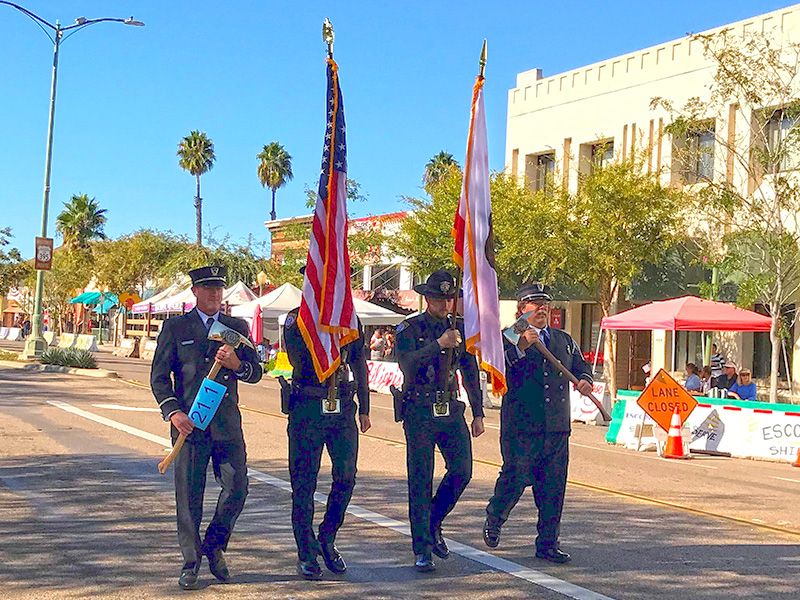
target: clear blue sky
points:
(249, 73)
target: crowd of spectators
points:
(721, 375)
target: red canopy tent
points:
(687, 313)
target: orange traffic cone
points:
(796, 462)
(674, 447)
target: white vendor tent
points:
(175, 288)
(183, 299)
(286, 297)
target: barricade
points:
(14, 334)
(50, 337)
(86, 342)
(67, 340)
(148, 350)
(739, 428)
(126, 348)
(3, 333)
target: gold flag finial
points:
(327, 35)
(483, 57)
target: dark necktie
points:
(209, 323)
(545, 335)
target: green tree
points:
(128, 263)
(13, 269)
(274, 169)
(81, 222)
(599, 238)
(438, 168)
(196, 155)
(752, 207)
(71, 271)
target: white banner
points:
(760, 433)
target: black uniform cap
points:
(440, 284)
(209, 276)
(531, 292)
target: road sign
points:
(662, 395)
(43, 259)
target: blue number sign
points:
(206, 403)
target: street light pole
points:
(36, 344)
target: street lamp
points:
(35, 344)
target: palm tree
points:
(196, 153)
(81, 221)
(274, 169)
(438, 167)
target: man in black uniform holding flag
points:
(429, 351)
(318, 418)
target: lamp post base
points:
(34, 347)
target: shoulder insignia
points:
(401, 326)
(290, 319)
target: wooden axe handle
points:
(164, 464)
(564, 371)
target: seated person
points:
(706, 378)
(744, 388)
(693, 382)
(728, 377)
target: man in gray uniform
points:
(535, 424)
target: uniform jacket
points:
(183, 357)
(422, 360)
(538, 394)
(303, 373)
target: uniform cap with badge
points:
(210, 276)
(440, 284)
(534, 292)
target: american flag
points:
(474, 251)
(327, 318)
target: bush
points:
(69, 357)
(5, 355)
(269, 365)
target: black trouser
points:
(307, 435)
(229, 460)
(423, 433)
(537, 459)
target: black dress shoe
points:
(188, 579)
(554, 555)
(217, 564)
(309, 569)
(440, 548)
(424, 563)
(333, 560)
(491, 531)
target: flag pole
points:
(333, 383)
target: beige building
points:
(559, 126)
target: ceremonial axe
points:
(210, 394)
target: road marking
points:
(544, 580)
(127, 408)
(787, 479)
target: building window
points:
(782, 143)
(699, 155)
(602, 154)
(385, 276)
(540, 171)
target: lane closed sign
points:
(660, 398)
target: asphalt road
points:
(84, 513)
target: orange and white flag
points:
(474, 252)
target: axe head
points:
(226, 335)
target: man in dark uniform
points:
(183, 357)
(314, 423)
(535, 424)
(428, 351)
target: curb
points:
(29, 366)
